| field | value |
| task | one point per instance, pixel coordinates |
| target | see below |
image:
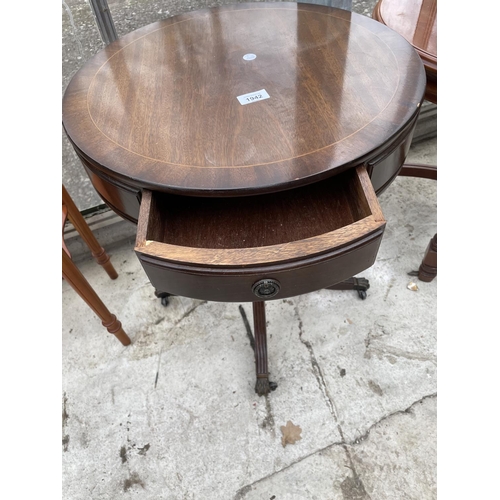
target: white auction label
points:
(259, 95)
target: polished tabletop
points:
(243, 99)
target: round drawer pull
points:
(265, 289)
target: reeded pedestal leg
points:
(361, 285)
(82, 287)
(259, 324)
(84, 231)
(428, 268)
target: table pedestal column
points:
(260, 333)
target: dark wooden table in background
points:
(249, 143)
(416, 21)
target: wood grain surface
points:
(241, 232)
(158, 108)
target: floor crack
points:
(350, 484)
(190, 311)
(318, 373)
(184, 316)
(241, 493)
(384, 349)
(65, 416)
(248, 328)
(408, 410)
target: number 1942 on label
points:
(258, 95)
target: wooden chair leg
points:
(428, 268)
(259, 323)
(81, 286)
(419, 170)
(84, 231)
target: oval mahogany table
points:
(249, 142)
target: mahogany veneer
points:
(217, 249)
(158, 108)
(269, 199)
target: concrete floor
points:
(174, 415)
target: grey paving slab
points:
(391, 461)
(174, 415)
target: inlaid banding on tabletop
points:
(332, 77)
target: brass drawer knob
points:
(266, 288)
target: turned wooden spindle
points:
(77, 280)
(84, 231)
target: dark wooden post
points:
(428, 268)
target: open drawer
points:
(252, 248)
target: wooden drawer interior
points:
(219, 248)
(260, 221)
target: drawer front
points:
(314, 237)
(387, 168)
(121, 199)
(237, 285)
(386, 165)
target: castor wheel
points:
(273, 386)
(362, 294)
(163, 296)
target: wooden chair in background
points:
(75, 278)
